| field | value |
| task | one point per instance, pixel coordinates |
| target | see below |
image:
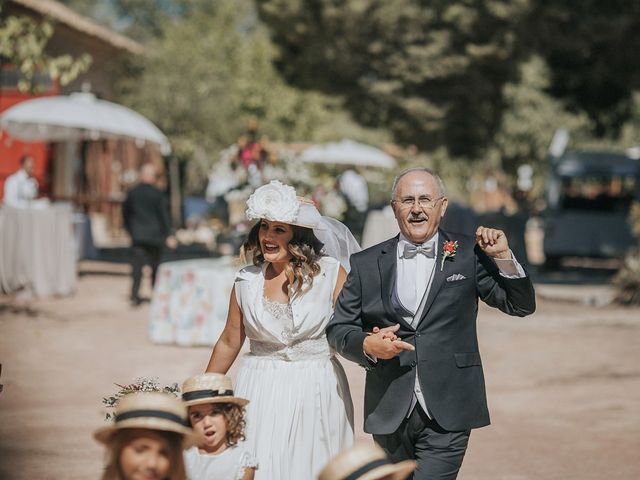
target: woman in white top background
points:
(301, 412)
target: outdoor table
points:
(37, 250)
(190, 301)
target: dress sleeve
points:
(247, 460)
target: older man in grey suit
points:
(407, 313)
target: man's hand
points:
(493, 242)
(379, 344)
(171, 242)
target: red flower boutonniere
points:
(449, 249)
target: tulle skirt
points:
(299, 416)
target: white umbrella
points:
(79, 116)
(348, 152)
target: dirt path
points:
(563, 385)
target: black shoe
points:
(136, 301)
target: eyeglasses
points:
(424, 202)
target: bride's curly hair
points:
(305, 250)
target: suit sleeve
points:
(513, 296)
(345, 331)
(163, 216)
(126, 213)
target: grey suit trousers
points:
(439, 453)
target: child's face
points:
(209, 421)
(145, 457)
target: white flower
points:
(274, 201)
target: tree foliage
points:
(211, 72)
(22, 44)
(431, 71)
(448, 73)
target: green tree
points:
(212, 71)
(433, 71)
(590, 47)
(23, 43)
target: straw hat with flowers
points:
(152, 411)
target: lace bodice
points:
(288, 331)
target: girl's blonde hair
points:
(122, 438)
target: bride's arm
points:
(342, 276)
(230, 342)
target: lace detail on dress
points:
(311, 348)
(284, 313)
(247, 460)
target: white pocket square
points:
(455, 277)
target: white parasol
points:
(348, 152)
(79, 116)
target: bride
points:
(300, 412)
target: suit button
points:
(417, 334)
(413, 364)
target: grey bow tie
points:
(428, 250)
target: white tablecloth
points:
(190, 301)
(37, 251)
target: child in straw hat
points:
(218, 416)
(146, 438)
(366, 461)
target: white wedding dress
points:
(300, 412)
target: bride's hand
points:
(378, 346)
(388, 333)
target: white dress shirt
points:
(20, 189)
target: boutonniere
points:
(449, 249)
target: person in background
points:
(146, 219)
(147, 438)
(218, 416)
(366, 461)
(21, 188)
(353, 187)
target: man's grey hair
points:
(441, 188)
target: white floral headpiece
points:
(278, 202)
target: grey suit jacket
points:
(450, 368)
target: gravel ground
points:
(563, 384)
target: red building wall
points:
(11, 150)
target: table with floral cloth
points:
(190, 301)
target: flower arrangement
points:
(449, 249)
(273, 201)
(140, 384)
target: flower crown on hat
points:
(274, 201)
(152, 411)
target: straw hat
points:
(152, 411)
(209, 388)
(365, 461)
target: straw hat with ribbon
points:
(365, 461)
(152, 411)
(209, 388)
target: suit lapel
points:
(388, 267)
(438, 276)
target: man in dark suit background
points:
(146, 219)
(407, 313)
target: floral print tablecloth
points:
(190, 301)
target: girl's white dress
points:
(300, 412)
(228, 465)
